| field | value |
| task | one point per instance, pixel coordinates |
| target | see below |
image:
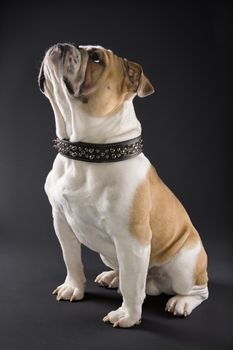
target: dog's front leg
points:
(74, 285)
(133, 259)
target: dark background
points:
(185, 49)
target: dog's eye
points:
(95, 57)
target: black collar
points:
(100, 152)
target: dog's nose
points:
(63, 47)
(59, 53)
(58, 48)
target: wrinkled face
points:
(91, 77)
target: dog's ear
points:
(138, 82)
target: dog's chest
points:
(95, 198)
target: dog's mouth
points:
(69, 61)
(41, 78)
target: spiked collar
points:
(100, 152)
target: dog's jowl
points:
(105, 193)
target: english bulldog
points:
(105, 193)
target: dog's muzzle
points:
(56, 52)
(67, 58)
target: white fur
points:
(95, 200)
(92, 202)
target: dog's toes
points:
(77, 295)
(68, 292)
(55, 291)
(108, 279)
(121, 318)
(181, 305)
(116, 324)
(170, 305)
(114, 283)
(106, 318)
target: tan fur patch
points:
(157, 216)
(105, 85)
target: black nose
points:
(62, 48)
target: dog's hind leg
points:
(189, 281)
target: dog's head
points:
(91, 77)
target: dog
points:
(106, 195)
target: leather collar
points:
(100, 152)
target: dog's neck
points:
(76, 125)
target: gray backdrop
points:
(185, 49)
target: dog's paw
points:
(67, 291)
(108, 279)
(180, 305)
(121, 318)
